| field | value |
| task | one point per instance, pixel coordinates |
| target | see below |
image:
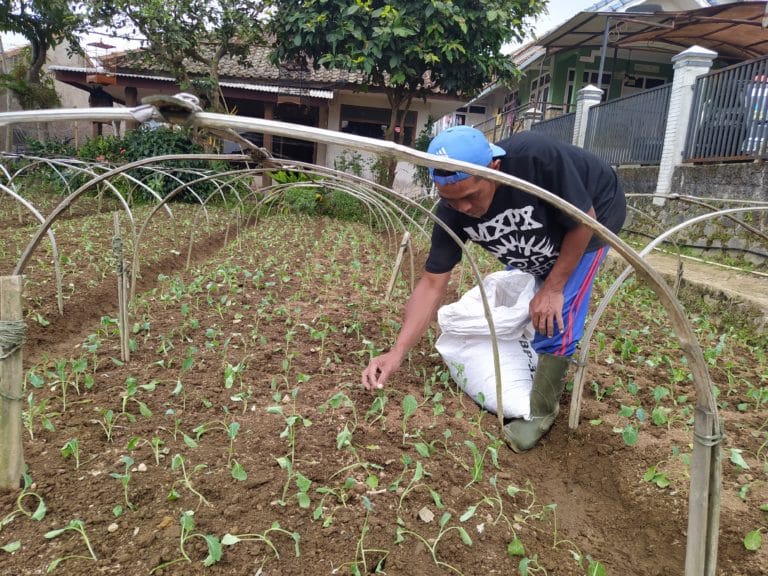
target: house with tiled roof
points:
(331, 99)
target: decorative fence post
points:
(585, 99)
(689, 65)
(12, 330)
(531, 117)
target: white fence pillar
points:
(585, 99)
(531, 117)
(688, 65)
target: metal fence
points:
(560, 128)
(630, 130)
(729, 114)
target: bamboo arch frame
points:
(578, 382)
(703, 515)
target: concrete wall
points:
(75, 132)
(719, 185)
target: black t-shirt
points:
(522, 230)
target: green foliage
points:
(181, 32)
(50, 148)
(144, 142)
(421, 176)
(459, 43)
(318, 199)
(395, 45)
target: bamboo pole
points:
(11, 378)
(122, 312)
(404, 244)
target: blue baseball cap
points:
(461, 143)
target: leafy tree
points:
(45, 24)
(183, 33)
(408, 48)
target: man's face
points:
(471, 196)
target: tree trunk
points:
(37, 60)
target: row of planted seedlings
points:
(637, 387)
(206, 345)
(84, 257)
(659, 395)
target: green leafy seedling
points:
(187, 521)
(410, 405)
(75, 526)
(25, 493)
(71, 449)
(264, 537)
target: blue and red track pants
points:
(576, 296)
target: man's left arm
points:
(546, 307)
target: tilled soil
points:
(224, 344)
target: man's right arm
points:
(419, 312)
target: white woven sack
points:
(466, 348)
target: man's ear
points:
(495, 164)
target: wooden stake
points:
(11, 380)
(404, 245)
(122, 312)
(704, 497)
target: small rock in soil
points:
(426, 515)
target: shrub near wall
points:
(718, 185)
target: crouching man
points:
(523, 232)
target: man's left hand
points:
(546, 309)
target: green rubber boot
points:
(548, 386)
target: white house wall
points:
(404, 174)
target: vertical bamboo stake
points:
(189, 247)
(11, 377)
(122, 313)
(704, 498)
(398, 262)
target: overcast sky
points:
(559, 12)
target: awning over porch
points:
(736, 31)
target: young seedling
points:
(656, 476)
(156, 443)
(234, 374)
(431, 543)
(125, 478)
(187, 522)
(410, 405)
(72, 449)
(37, 411)
(186, 479)
(76, 526)
(361, 564)
(107, 423)
(753, 540)
(265, 538)
(376, 411)
(131, 389)
(25, 493)
(289, 432)
(61, 378)
(478, 459)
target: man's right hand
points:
(380, 369)
(419, 311)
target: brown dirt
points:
(581, 492)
